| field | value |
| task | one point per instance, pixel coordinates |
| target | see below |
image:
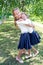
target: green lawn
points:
(9, 38)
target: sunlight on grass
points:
(1, 39)
(2, 59)
(39, 29)
(12, 52)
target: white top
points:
(23, 27)
(30, 29)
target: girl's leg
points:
(28, 54)
(24, 51)
(29, 51)
(34, 49)
(20, 53)
(18, 57)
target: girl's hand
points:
(30, 25)
(20, 19)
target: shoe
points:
(28, 56)
(36, 54)
(19, 60)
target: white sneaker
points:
(36, 54)
(19, 60)
(28, 56)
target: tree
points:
(30, 6)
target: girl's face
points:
(24, 16)
(17, 14)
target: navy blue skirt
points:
(27, 40)
(34, 38)
(24, 41)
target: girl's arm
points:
(29, 25)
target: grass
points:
(9, 38)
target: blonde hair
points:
(13, 15)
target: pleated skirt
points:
(27, 40)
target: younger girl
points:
(34, 36)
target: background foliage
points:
(32, 7)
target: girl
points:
(23, 37)
(25, 42)
(34, 36)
